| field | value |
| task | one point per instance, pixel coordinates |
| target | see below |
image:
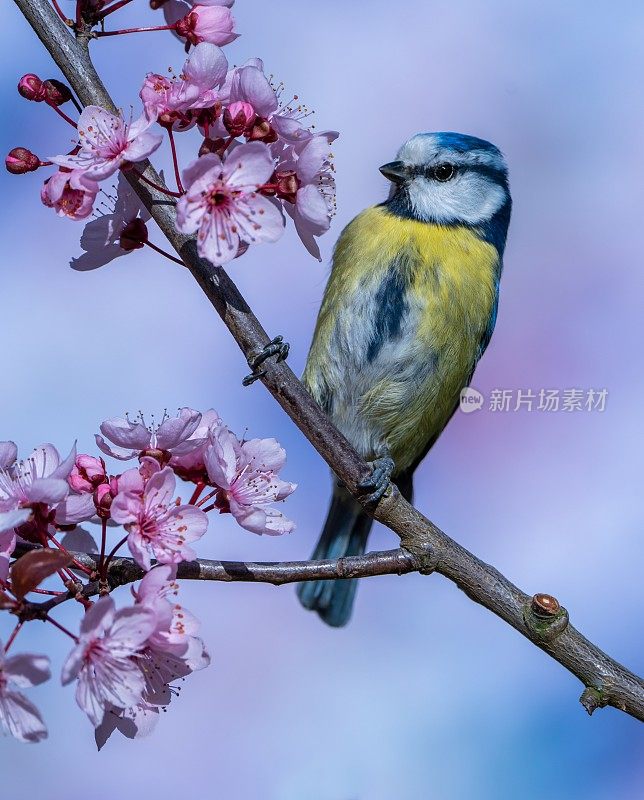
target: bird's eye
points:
(443, 172)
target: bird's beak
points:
(395, 171)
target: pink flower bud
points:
(212, 24)
(103, 498)
(238, 117)
(31, 87)
(20, 160)
(87, 473)
(56, 93)
(134, 235)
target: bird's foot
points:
(379, 481)
(276, 347)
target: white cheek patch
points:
(469, 198)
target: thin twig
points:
(163, 253)
(607, 682)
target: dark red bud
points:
(56, 93)
(134, 235)
(238, 117)
(261, 131)
(155, 4)
(31, 87)
(20, 160)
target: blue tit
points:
(409, 308)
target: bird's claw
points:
(380, 479)
(276, 347)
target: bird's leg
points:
(276, 347)
(379, 481)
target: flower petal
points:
(251, 85)
(116, 452)
(26, 670)
(312, 208)
(47, 490)
(12, 519)
(99, 617)
(124, 433)
(312, 158)
(8, 454)
(264, 454)
(130, 629)
(248, 165)
(21, 718)
(177, 429)
(43, 460)
(206, 66)
(75, 508)
(143, 146)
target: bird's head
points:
(448, 178)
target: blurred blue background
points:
(424, 695)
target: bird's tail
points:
(345, 533)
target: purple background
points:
(424, 694)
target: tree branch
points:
(606, 681)
(123, 571)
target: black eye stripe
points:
(438, 172)
(493, 174)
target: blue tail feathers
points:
(345, 533)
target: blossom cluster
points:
(125, 662)
(257, 157)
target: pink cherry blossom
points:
(160, 670)
(130, 439)
(172, 651)
(222, 205)
(157, 526)
(107, 142)
(247, 474)
(169, 101)
(113, 234)
(249, 85)
(19, 716)
(315, 197)
(192, 466)
(207, 23)
(176, 627)
(40, 478)
(105, 658)
(69, 194)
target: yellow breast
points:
(450, 278)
